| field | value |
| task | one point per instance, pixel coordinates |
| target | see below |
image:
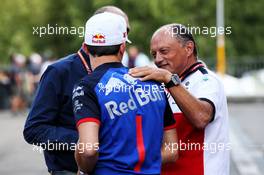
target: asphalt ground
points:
(246, 136)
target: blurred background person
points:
(35, 64)
(33, 76)
(135, 58)
(48, 59)
(5, 89)
(18, 76)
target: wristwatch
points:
(175, 81)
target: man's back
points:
(131, 115)
(50, 120)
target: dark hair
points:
(181, 33)
(98, 51)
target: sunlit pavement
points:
(247, 137)
(16, 156)
(246, 134)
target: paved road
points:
(246, 130)
(16, 156)
(247, 137)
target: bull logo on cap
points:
(98, 38)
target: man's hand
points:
(150, 73)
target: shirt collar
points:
(85, 54)
(193, 68)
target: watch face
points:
(175, 79)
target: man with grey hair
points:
(50, 123)
(197, 99)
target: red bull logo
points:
(98, 38)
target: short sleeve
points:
(210, 89)
(169, 121)
(85, 104)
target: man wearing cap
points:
(123, 122)
(50, 122)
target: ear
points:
(87, 50)
(122, 49)
(189, 47)
(85, 47)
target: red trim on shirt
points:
(88, 120)
(195, 67)
(140, 143)
(187, 72)
(169, 127)
(188, 155)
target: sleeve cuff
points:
(213, 106)
(84, 120)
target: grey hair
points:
(115, 10)
(180, 32)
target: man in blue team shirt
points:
(124, 124)
(51, 123)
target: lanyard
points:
(84, 63)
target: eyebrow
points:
(164, 48)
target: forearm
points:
(166, 155)
(196, 111)
(189, 105)
(169, 150)
(86, 157)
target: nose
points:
(158, 59)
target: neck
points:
(97, 61)
(189, 63)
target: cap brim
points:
(127, 40)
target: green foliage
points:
(18, 17)
(246, 19)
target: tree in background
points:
(18, 17)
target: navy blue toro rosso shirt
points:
(50, 122)
(132, 116)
